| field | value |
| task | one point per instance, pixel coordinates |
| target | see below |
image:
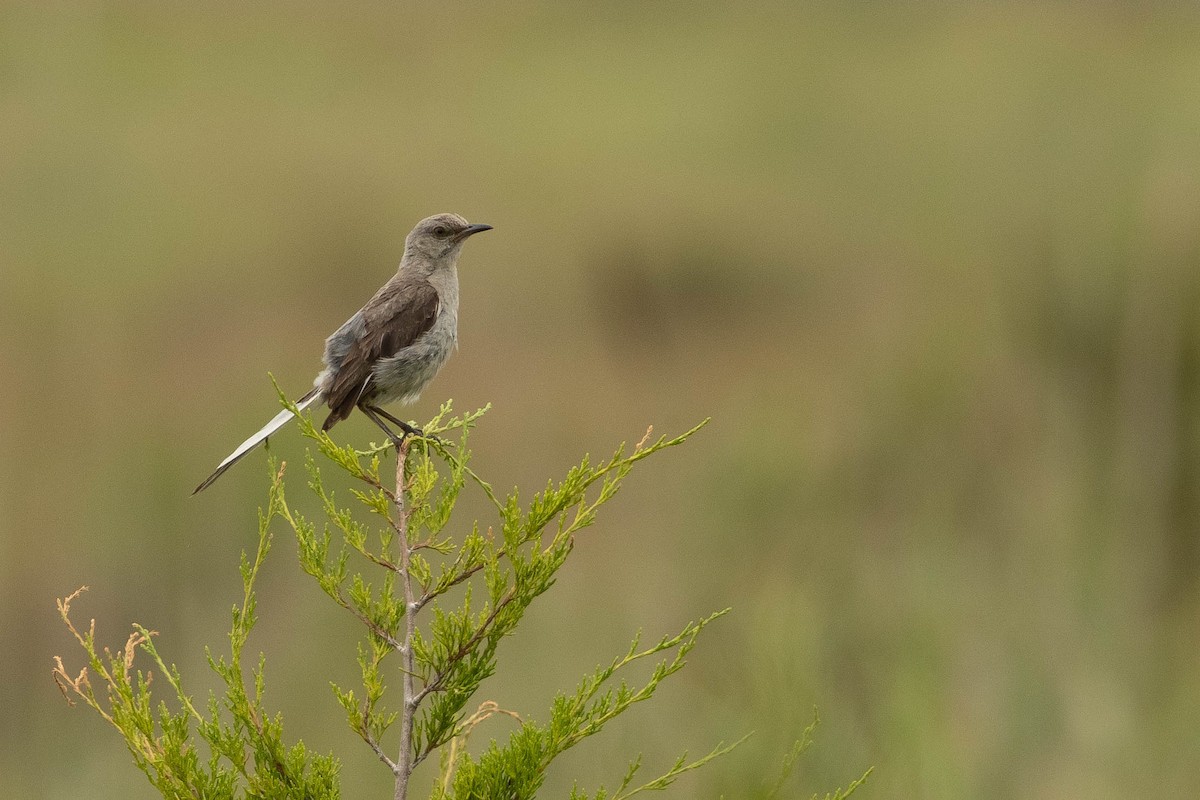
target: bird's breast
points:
(403, 376)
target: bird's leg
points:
(370, 411)
(408, 429)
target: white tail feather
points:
(280, 419)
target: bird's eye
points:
(441, 230)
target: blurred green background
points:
(931, 267)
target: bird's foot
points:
(412, 430)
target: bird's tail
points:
(281, 419)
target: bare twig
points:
(370, 740)
(408, 713)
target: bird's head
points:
(441, 237)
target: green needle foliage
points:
(389, 560)
(246, 756)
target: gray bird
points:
(394, 345)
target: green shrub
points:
(390, 575)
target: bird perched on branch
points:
(394, 345)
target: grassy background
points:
(932, 268)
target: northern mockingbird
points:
(394, 345)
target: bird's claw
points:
(420, 434)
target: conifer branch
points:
(512, 562)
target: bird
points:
(393, 346)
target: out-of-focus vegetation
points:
(931, 267)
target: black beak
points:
(471, 230)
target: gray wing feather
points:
(394, 319)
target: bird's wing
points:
(391, 321)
